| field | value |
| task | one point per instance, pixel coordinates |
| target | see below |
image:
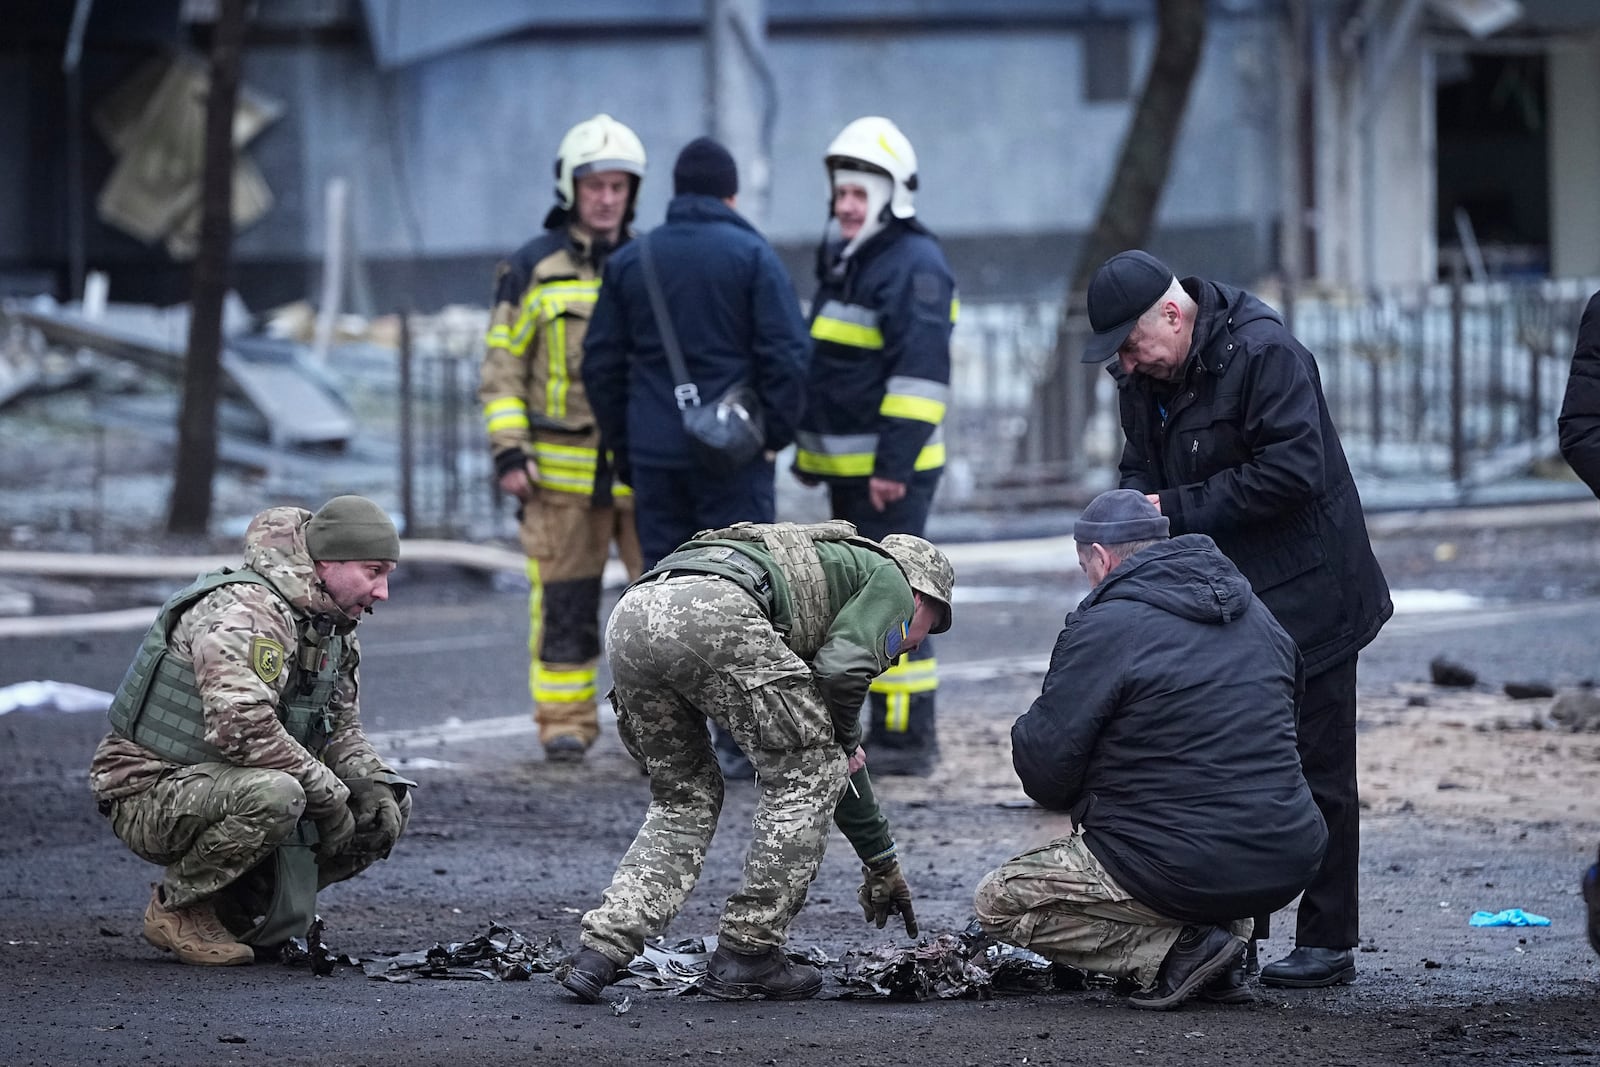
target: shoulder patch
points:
(895, 639)
(266, 658)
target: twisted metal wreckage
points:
(964, 965)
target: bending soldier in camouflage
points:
(774, 633)
(236, 757)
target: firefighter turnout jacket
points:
(531, 385)
(880, 366)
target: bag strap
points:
(685, 391)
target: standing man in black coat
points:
(1580, 447)
(1228, 434)
(1166, 728)
(738, 320)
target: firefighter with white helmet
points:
(878, 387)
(542, 432)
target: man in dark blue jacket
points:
(879, 384)
(1228, 433)
(737, 319)
(1166, 728)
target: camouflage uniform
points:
(713, 633)
(1057, 899)
(210, 823)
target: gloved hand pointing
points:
(884, 892)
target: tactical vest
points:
(793, 547)
(158, 707)
(158, 704)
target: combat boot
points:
(1198, 956)
(194, 934)
(741, 975)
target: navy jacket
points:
(1166, 726)
(737, 320)
(1242, 448)
(1580, 407)
(880, 372)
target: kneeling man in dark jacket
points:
(1166, 728)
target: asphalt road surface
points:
(499, 835)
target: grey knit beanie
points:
(1118, 517)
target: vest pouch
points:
(294, 890)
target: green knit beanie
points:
(352, 527)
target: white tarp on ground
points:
(52, 696)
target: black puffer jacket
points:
(1166, 726)
(1580, 408)
(1247, 453)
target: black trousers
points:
(1330, 907)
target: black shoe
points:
(1199, 954)
(739, 976)
(1311, 968)
(1252, 958)
(1591, 900)
(587, 973)
(1228, 987)
(564, 749)
(908, 761)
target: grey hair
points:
(1125, 549)
(1177, 294)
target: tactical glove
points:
(377, 813)
(884, 892)
(334, 831)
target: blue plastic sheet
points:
(1509, 917)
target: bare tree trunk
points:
(1124, 221)
(190, 509)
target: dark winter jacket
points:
(737, 320)
(1166, 726)
(1242, 448)
(880, 371)
(1580, 408)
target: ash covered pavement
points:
(1472, 802)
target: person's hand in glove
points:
(378, 815)
(884, 892)
(334, 831)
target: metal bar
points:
(1458, 447)
(408, 457)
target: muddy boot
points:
(739, 976)
(1228, 987)
(564, 749)
(194, 934)
(587, 972)
(1198, 956)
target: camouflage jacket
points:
(241, 709)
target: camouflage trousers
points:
(684, 649)
(213, 823)
(1057, 900)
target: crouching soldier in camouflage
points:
(774, 633)
(236, 757)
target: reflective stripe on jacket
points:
(880, 369)
(531, 381)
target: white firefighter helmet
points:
(876, 144)
(594, 146)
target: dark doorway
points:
(1493, 162)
